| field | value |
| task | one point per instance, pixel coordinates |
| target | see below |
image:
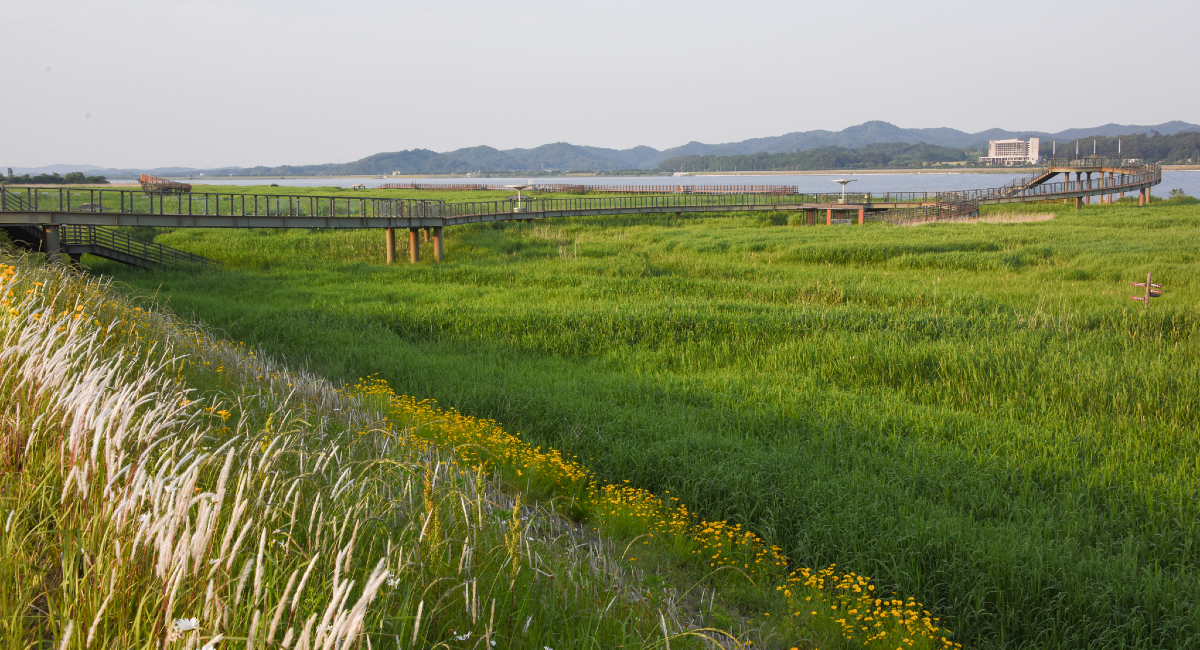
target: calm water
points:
(1188, 181)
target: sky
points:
(137, 83)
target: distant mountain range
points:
(567, 157)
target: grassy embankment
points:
(976, 415)
(162, 488)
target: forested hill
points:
(874, 156)
(1177, 149)
(1181, 148)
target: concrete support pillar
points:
(437, 243)
(860, 215)
(1089, 186)
(414, 246)
(1147, 191)
(50, 244)
(426, 235)
(812, 216)
(76, 259)
(829, 216)
(389, 245)
(1078, 202)
(1141, 198)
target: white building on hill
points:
(1012, 152)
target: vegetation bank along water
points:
(164, 488)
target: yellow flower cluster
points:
(8, 273)
(845, 601)
(475, 441)
(848, 601)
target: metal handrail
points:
(211, 203)
(953, 205)
(284, 205)
(116, 240)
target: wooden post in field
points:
(414, 246)
(1150, 291)
(437, 243)
(390, 245)
(812, 216)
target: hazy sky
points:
(249, 82)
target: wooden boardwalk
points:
(48, 209)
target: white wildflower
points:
(187, 624)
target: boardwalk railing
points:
(608, 189)
(462, 209)
(925, 204)
(103, 237)
(1044, 170)
(961, 204)
(672, 189)
(121, 242)
(216, 204)
(446, 187)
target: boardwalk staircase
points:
(1039, 176)
(102, 241)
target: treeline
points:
(1178, 149)
(873, 156)
(72, 178)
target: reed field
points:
(164, 488)
(975, 415)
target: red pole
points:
(828, 216)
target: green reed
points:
(975, 414)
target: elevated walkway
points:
(98, 208)
(102, 241)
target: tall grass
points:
(975, 414)
(163, 489)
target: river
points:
(1188, 181)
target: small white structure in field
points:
(843, 181)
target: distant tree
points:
(73, 178)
